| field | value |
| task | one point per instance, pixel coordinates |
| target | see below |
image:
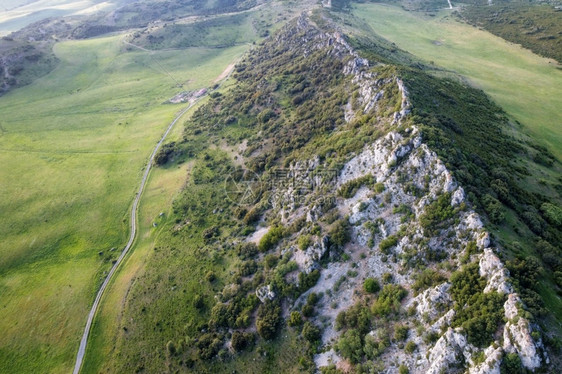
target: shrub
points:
(295, 319)
(401, 332)
(511, 364)
(339, 234)
(248, 268)
(493, 208)
(307, 281)
(349, 189)
(477, 312)
(437, 213)
(209, 345)
(268, 319)
(308, 310)
(311, 332)
(350, 346)
(198, 302)
(270, 261)
(210, 276)
(387, 278)
(171, 348)
(371, 285)
(312, 298)
(427, 278)
(252, 216)
(389, 300)
(241, 340)
(271, 238)
(304, 242)
(403, 369)
(410, 347)
(247, 250)
(552, 213)
(388, 243)
(357, 317)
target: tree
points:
(268, 320)
(241, 340)
(271, 238)
(389, 300)
(350, 346)
(311, 332)
(371, 285)
(511, 364)
(295, 319)
(339, 234)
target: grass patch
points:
(70, 169)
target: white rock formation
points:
(265, 293)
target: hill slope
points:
(364, 208)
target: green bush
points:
(268, 319)
(295, 319)
(410, 347)
(311, 332)
(357, 317)
(241, 340)
(304, 242)
(403, 369)
(511, 364)
(388, 243)
(479, 313)
(552, 213)
(350, 346)
(171, 348)
(427, 278)
(198, 302)
(389, 300)
(247, 250)
(401, 332)
(437, 213)
(494, 209)
(371, 285)
(271, 238)
(339, 235)
(349, 189)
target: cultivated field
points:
(527, 86)
(72, 148)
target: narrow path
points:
(93, 310)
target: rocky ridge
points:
(413, 176)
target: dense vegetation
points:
(534, 26)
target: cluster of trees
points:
(479, 313)
(437, 214)
(349, 189)
(164, 153)
(389, 300)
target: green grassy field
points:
(526, 86)
(72, 148)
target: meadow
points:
(528, 87)
(72, 148)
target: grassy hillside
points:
(527, 87)
(72, 148)
(537, 27)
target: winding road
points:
(93, 310)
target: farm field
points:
(72, 148)
(528, 87)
